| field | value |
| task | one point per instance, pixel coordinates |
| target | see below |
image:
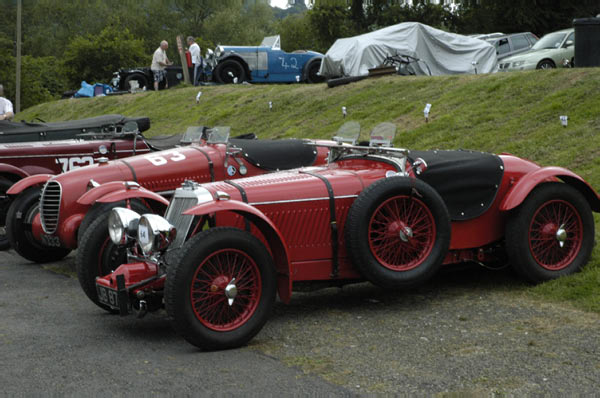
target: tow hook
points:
(142, 310)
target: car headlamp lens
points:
(155, 234)
(218, 51)
(122, 225)
(518, 63)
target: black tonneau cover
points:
(276, 154)
(468, 181)
(25, 131)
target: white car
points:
(550, 52)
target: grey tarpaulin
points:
(445, 53)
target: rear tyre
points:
(19, 219)
(229, 69)
(97, 255)
(313, 73)
(553, 214)
(5, 201)
(141, 79)
(546, 64)
(398, 232)
(196, 291)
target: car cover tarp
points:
(468, 181)
(445, 53)
(277, 154)
(25, 131)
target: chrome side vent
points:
(50, 206)
(180, 221)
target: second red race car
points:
(51, 213)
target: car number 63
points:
(159, 160)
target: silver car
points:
(511, 44)
(555, 49)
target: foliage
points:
(42, 78)
(296, 33)
(95, 58)
(540, 17)
(240, 27)
(329, 23)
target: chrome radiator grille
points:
(180, 221)
(50, 206)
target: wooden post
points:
(18, 77)
(184, 65)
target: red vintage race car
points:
(390, 216)
(46, 150)
(45, 228)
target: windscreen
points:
(551, 40)
(349, 133)
(383, 134)
(219, 135)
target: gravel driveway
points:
(470, 331)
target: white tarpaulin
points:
(445, 53)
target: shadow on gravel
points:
(468, 279)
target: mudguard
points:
(27, 182)
(116, 191)
(268, 229)
(10, 169)
(529, 181)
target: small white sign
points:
(297, 79)
(270, 105)
(344, 112)
(564, 120)
(426, 111)
(198, 96)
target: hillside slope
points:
(506, 112)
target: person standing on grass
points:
(194, 49)
(159, 64)
(6, 107)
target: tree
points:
(95, 58)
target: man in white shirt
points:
(159, 63)
(6, 107)
(194, 49)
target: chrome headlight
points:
(155, 234)
(218, 51)
(122, 225)
(518, 63)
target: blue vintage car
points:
(265, 63)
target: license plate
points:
(108, 296)
(50, 240)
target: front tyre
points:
(551, 234)
(546, 64)
(313, 73)
(228, 70)
(97, 255)
(19, 220)
(5, 184)
(221, 288)
(398, 232)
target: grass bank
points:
(507, 112)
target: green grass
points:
(506, 112)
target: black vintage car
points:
(145, 78)
(82, 129)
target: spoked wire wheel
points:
(397, 232)
(220, 288)
(225, 290)
(555, 234)
(551, 234)
(401, 233)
